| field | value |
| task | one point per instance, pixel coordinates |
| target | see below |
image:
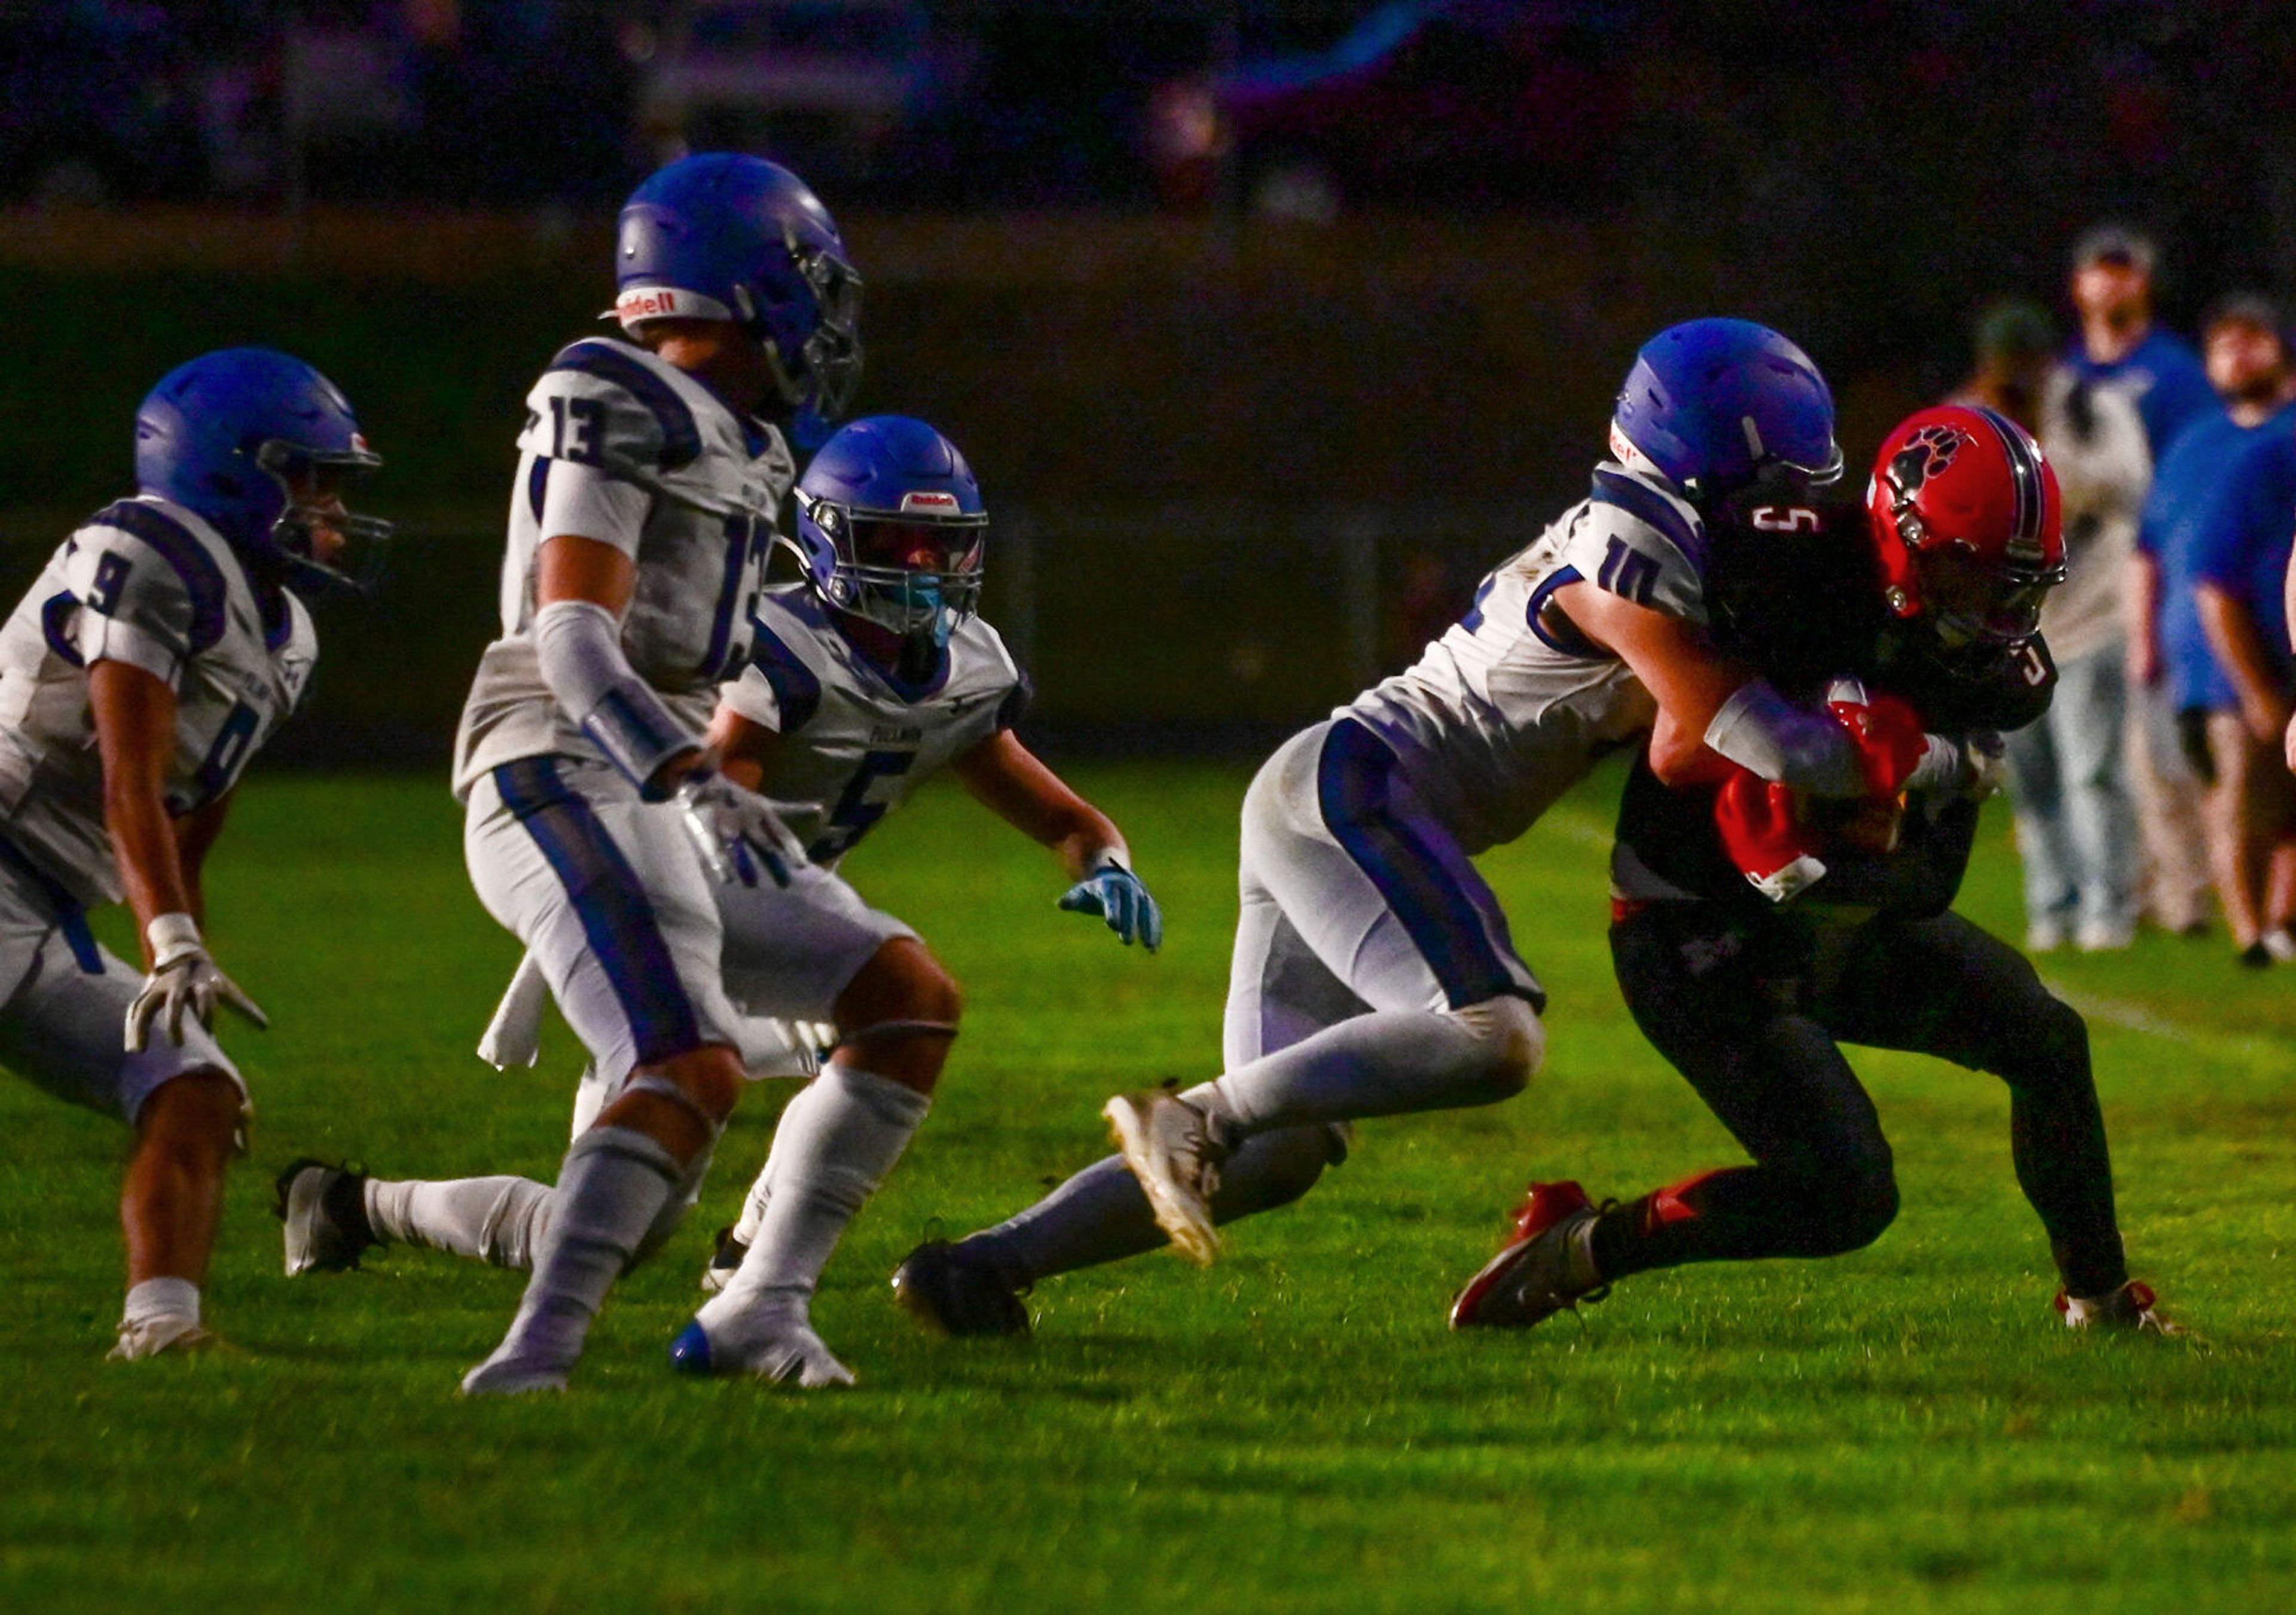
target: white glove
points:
(737, 831)
(183, 978)
(1985, 763)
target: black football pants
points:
(1752, 1012)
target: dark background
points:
(1267, 325)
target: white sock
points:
(156, 1300)
(761, 1191)
(1101, 1215)
(615, 1183)
(1388, 1063)
(836, 1141)
(499, 1220)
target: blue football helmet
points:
(1714, 404)
(891, 528)
(263, 446)
(722, 236)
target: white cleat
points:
(788, 1353)
(797, 1356)
(1170, 1146)
(154, 1336)
(508, 1374)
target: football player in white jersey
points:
(162, 645)
(866, 678)
(649, 475)
(875, 675)
(1373, 973)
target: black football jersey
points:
(1798, 598)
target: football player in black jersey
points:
(1754, 932)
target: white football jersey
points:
(148, 583)
(1511, 707)
(856, 740)
(713, 485)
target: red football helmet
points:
(1966, 521)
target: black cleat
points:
(953, 1293)
(325, 1210)
(724, 1263)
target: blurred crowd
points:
(2159, 773)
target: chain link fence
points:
(1185, 628)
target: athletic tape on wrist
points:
(171, 937)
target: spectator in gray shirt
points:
(2077, 826)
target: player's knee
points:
(1865, 1205)
(709, 1078)
(903, 984)
(1511, 1039)
(196, 1116)
(1287, 1163)
(2052, 1042)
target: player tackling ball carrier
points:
(1372, 971)
(867, 678)
(1751, 930)
(649, 475)
(161, 646)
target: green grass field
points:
(1906, 1428)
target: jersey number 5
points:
(851, 820)
(1784, 519)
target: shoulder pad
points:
(785, 654)
(1642, 545)
(604, 403)
(165, 580)
(1672, 519)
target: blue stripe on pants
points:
(612, 905)
(1408, 862)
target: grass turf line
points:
(1904, 1427)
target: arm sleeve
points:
(579, 649)
(133, 606)
(1761, 730)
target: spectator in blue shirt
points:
(2119, 345)
(2224, 556)
(2239, 559)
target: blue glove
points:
(1116, 894)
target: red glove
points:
(1891, 742)
(1762, 833)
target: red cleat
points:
(2131, 1306)
(1530, 1277)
